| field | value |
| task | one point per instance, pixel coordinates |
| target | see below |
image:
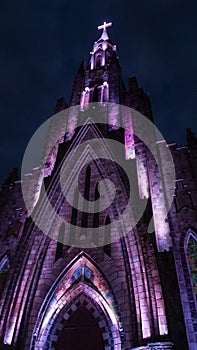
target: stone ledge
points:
(156, 346)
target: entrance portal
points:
(81, 332)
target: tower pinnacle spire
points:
(104, 26)
(102, 48)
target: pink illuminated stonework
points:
(138, 291)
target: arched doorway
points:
(81, 332)
(80, 286)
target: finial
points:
(105, 25)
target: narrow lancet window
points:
(60, 243)
(86, 196)
(98, 60)
(74, 217)
(95, 97)
(107, 237)
(192, 259)
(95, 237)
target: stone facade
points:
(140, 287)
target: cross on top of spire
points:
(105, 25)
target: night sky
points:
(42, 43)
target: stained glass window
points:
(76, 275)
(88, 273)
(4, 265)
(80, 272)
(192, 259)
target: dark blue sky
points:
(43, 43)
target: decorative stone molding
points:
(156, 346)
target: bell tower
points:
(92, 83)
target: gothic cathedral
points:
(99, 241)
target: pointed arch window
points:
(95, 97)
(74, 217)
(4, 264)
(86, 196)
(60, 243)
(107, 237)
(96, 216)
(192, 260)
(98, 60)
(83, 272)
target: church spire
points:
(102, 49)
(94, 80)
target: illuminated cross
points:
(105, 25)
